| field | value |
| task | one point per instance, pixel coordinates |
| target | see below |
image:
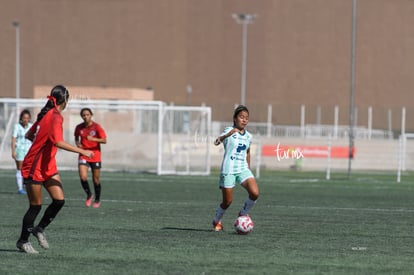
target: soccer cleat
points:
(96, 204)
(40, 236)
(88, 201)
(21, 192)
(26, 247)
(217, 226)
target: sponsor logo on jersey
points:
(241, 147)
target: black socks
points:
(85, 187)
(97, 188)
(28, 221)
(51, 213)
(97, 192)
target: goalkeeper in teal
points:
(20, 145)
(235, 167)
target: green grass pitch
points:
(150, 224)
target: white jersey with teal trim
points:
(235, 152)
(19, 133)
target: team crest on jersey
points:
(92, 133)
(241, 147)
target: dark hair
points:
(24, 112)
(86, 109)
(60, 95)
(239, 109)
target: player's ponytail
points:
(58, 95)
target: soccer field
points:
(150, 224)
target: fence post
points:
(389, 124)
(403, 134)
(328, 169)
(318, 115)
(336, 119)
(369, 122)
(403, 121)
(258, 157)
(269, 120)
(400, 153)
(302, 120)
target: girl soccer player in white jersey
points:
(20, 145)
(236, 165)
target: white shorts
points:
(229, 180)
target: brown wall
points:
(108, 93)
(298, 53)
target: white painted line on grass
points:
(359, 248)
(399, 210)
(131, 201)
(304, 180)
(345, 208)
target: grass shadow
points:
(10, 250)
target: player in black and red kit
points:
(39, 168)
(89, 135)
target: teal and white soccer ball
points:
(243, 225)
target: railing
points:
(308, 131)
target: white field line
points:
(397, 210)
(134, 202)
(403, 210)
(304, 180)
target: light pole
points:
(352, 89)
(244, 19)
(16, 26)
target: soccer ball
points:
(243, 225)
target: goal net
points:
(142, 136)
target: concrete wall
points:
(89, 93)
(298, 52)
